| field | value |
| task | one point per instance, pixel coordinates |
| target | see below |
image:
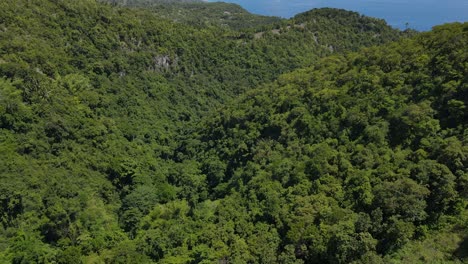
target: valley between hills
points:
(139, 131)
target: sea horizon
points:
(421, 15)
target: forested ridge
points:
(130, 135)
(202, 14)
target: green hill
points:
(348, 160)
(132, 59)
(126, 137)
(202, 14)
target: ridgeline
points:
(191, 132)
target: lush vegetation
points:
(202, 14)
(348, 160)
(128, 138)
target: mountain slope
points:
(203, 14)
(96, 99)
(132, 54)
(346, 161)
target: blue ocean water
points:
(419, 14)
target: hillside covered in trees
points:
(131, 135)
(201, 14)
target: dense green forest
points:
(202, 14)
(134, 132)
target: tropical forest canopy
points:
(190, 132)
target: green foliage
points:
(128, 138)
(202, 14)
(344, 159)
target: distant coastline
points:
(418, 14)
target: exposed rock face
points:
(163, 62)
(258, 35)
